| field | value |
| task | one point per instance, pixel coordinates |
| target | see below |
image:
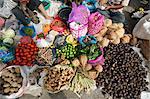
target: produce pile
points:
(123, 74)
(10, 81)
(58, 78)
(80, 52)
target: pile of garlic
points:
(112, 33)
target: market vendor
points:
(31, 5)
(113, 9)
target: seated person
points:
(31, 5)
(113, 10)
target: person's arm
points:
(114, 7)
(41, 8)
(119, 6)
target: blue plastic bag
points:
(27, 27)
(87, 40)
(90, 4)
(6, 57)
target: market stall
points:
(78, 50)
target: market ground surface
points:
(97, 93)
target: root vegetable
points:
(120, 32)
(14, 84)
(8, 79)
(76, 62)
(19, 80)
(116, 41)
(12, 90)
(83, 60)
(125, 39)
(112, 36)
(99, 38)
(88, 67)
(6, 90)
(92, 74)
(6, 85)
(17, 70)
(99, 68)
(104, 42)
(102, 32)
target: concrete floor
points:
(96, 94)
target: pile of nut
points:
(57, 78)
(10, 81)
(123, 75)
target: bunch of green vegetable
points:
(92, 51)
(69, 51)
(81, 83)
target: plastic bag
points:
(8, 5)
(78, 30)
(98, 60)
(78, 20)
(12, 23)
(87, 40)
(54, 8)
(79, 14)
(6, 56)
(96, 22)
(142, 28)
(28, 31)
(58, 25)
(59, 41)
(90, 4)
(21, 90)
(36, 75)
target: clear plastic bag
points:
(35, 77)
(8, 5)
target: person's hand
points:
(108, 7)
(48, 17)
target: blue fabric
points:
(23, 34)
(92, 41)
(6, 56)
(92, 6)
